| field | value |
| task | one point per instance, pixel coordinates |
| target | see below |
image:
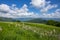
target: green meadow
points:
(28, 31)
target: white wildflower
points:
(42, 34)
(54, 30)
(34, 30)
(0, 29)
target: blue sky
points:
(30, 8)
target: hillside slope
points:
(37, 20)
(7, 19)
(28, 31)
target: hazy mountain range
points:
(7, 19)
(28, 19)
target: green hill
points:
(6, 19)
(28, 31)
(37, 20)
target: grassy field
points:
(28, 31)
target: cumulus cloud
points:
(55, 14)
(23, 12)
(4, 8)
(47, 8)
(43, 5)
(14, 12)
(38, 3)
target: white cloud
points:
(23, 12)
(23, 9)
(14, 12)
(4, 8)
(38, 3)
(48, 7)
(43, 5)
(13, 5)
(55, 14)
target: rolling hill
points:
(55, 19)
(24, 19)
(7, 19)
(28, 19)
(28, 31)
(37, 20)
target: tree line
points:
(52, 22)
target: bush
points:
(54, 23)
(18, 21)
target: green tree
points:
(54, 23)
(58, 24)
(18, 21)
(51, 22)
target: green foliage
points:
(58, 24)
(18, 21)
(37, 20)
(16, 31)
(54, 23)
(51, 22)
(48, 22)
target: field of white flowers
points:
(28, 31)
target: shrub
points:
(54, 23)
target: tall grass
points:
(30, 31)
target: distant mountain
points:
(37, 20)
(24, 19)
(6, 19)
(30, 19)
(55, 19)
(43, 20)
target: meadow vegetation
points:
(28, 31)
